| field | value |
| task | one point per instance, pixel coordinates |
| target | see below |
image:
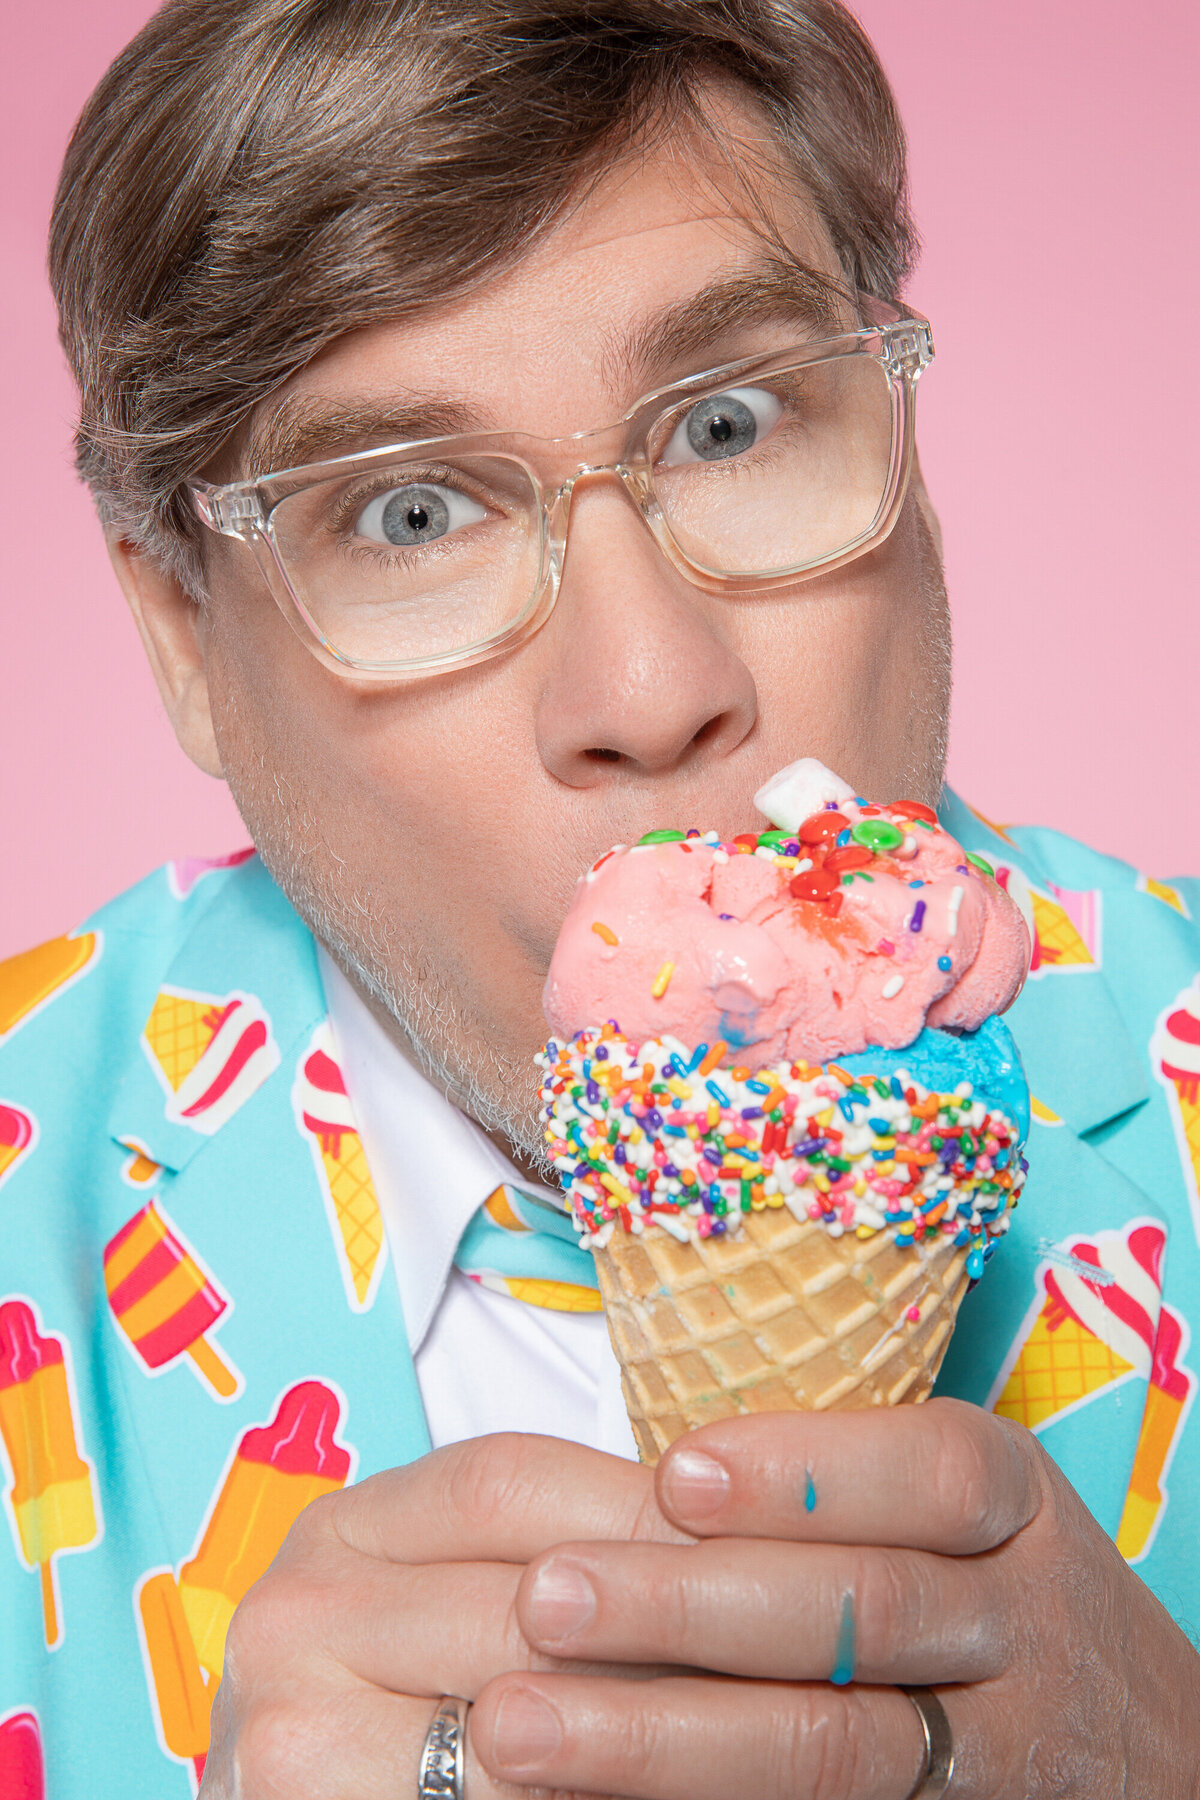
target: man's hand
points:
(392, 1593)
(950, 1547)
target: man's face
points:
(432, 831)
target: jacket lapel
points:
(254, 1337)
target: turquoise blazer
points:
(199, 1332)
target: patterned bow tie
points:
(521, 1245)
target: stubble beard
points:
(404, 986)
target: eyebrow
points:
(774, 292)
(305, 429)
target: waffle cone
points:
(178, 1033)
(1061, 1362)
(1189, 1115)
(782, 1318)
(360, 1223)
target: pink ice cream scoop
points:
(844, 925)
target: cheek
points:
(854, 668)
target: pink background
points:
(1053, 161)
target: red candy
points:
(822, 825)
(913, 809)
(814, 884)
(850, 856)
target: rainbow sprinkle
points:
(642, 1135)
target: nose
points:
(641, 678)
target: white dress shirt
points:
(484, 1362)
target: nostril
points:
(604, 755)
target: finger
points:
(943, 1476)
(355, 1741)
(789, 1612)
(424, 1629)
(687, 1738)
(497, 1499)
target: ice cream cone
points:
(1175, 1048)
(178, 1032)
(1061, 1363)
(359, 1222)
(781, 1318)
(1060, 941)
(325, 1115)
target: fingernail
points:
(561, 1601)
(526, 1731)
(694, 1485)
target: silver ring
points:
(441, 1776)
(938, 1766)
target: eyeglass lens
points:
(430, 558)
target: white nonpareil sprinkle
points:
(952, 906)
(668, 1222)
(892, 988)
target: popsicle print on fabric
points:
(325, 1117)
(210, 1054)
(18, 1135)
(35, 977)
(50, 1493)
(1087, 1334)
(274, 1472)
(180, 1697)
(22, 1768)
(165, 1301)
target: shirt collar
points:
(432, 1166)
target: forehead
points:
(571, 320)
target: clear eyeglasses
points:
(424, 556)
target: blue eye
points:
(723, 425)
(417, 513)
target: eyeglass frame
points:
(902, 345)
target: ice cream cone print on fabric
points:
(1162, 890)
(274, 1472)
(50, 1495)
(1089, 1333)
(1175, 1056)
(1064, 923)
(165, 1302)
(325, 1117)
(1084, 1332)
(28, 981)
(210, 1054)
(18, 1134)
(180, 1698)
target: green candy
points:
(663, 836)
(877, 834)
(770, 840)
(981, 862)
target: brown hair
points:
(253, 178)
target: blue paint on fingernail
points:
(810, 1491)
(843, 1668)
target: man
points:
(453, 245)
